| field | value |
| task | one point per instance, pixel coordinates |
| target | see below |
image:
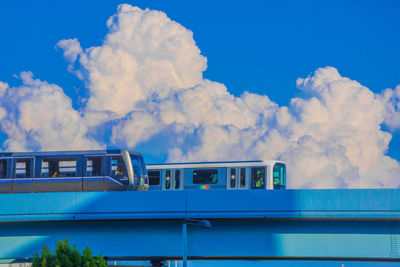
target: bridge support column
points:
(184, 242)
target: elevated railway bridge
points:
(350, 225)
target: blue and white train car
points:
(71, 171)
(230, 175)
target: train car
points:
(229, 175)
(71, 171)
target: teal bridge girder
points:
(360, 224)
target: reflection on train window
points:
(23, 168)
(257, 178)
(3, 168)
(177, 180)
(118, 168)
(233, 177)
(58, 167)
(205, 176)
(167, 179)
(154, 177)
(242, 177)
(93, 166)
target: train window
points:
(242, 177)
(93, 166)
(3, 168)
(233, 177)
(118, 168)
(279, 176)
(177, 179)
(154, 177)
(257, 178)
(167, 179)
(58, 167)
(23, 168)
(205, 176)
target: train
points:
(225, 175)
(121, 170)
(72, 171)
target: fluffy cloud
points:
(3, 88)
(144, 54)
(331, 138)
(148, 73)
(146, 89)
(71, 48)
(391, 98)
(40, 116)
(342, 112)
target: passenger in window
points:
(260, 182)
(120, 171)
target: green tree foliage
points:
(67, 256)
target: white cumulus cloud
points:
(40, 116)
(146, 88)
(148, 73)
(391, 98)
(71, 48)
(330, 139)
(145, 53)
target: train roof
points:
(67, 153)
(215, 164)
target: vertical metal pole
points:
(184, 241)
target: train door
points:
(172, 179)
(231, 179)
(237, 178)
(243, 178)
(5, 175)
(167, 179)
(93, 175)
(23, 181)
(178, 179)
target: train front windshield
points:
(139, 172)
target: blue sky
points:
(261, 47)
(258, 46)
